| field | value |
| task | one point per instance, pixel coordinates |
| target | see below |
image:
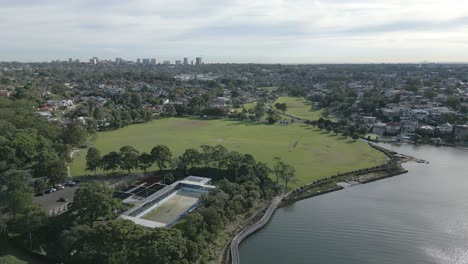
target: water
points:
(418, 217)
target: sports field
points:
(299, 107)
(173, 207)
(315, 154)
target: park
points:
(314, 153)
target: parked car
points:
(39, 194)
(59, 187)
(50, 190)
(71, 183)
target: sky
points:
(237, 31)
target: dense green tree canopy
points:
(94, 201)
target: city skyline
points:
(236, 31)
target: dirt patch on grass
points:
(190, 123)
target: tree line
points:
(242, 184)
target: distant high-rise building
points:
(146, 61)
(166, 62)
(185, 61)
(178, 62)
(70, 60)
(138, 61)
(118, 60)
(198, 60)
(77, 61)
(191, 62)
(153, 61)
(94, 60)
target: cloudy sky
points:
(266, 31)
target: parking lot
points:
(53, 202)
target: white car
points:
(59, 187)
(71, 183)
(50, 190)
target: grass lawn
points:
(247, 106)
(314, 154)
(299, 107)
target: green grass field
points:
(314, 154)
(247, 106)
(299, 107)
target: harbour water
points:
(418, 217)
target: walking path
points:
(71, 160)
(251, 229)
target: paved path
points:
(71, 160)
(251, 229)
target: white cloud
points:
(236, 30)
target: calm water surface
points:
(418, 217)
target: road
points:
(251, 229)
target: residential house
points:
(393, 128)
(446, 128)
(379, 128)
(461, 132)
(5, 93)
(419, 114)
(368, 119)
(426, 130)
(389, 112)
(408, 128)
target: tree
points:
(178, 167)
(129, 158)
(94, 200)
(169, 110)
(93, 159)
(98, 114)
(208, 154)
(110, 161)
(145, 161)
(273, 117)
(336, 131)
(326, 113)
(233, 162)
(126, 118)
(18, 200)
(355, 137)
(288, 173)
(136, 100)
(18, 192)
(39, 185)
(57, 171)
(191, 157)
(216, 111)
(122, 241)
(259, 110)
(219, 156)
(75, 134)
(281, 106)
(91, 126)
(49, 165)
(453, 102)
(277, 167)
(29, 219)
(116, 119)
(162, 156)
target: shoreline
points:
(392, 168)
